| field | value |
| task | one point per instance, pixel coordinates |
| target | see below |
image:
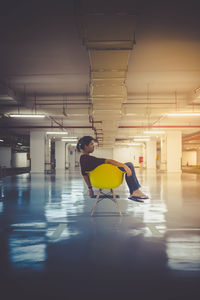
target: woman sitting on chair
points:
(89, 163)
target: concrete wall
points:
(19, 160)
(121, 154)
(189, 157)
(5, 157)
(128, 154)
(103, 153)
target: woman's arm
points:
(118, 164)
(87, 181)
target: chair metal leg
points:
(95, 204)
(116, 202)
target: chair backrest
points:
(106, 176)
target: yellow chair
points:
(106, 176)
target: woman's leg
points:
(132, 180)
(133, 184)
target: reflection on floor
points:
(192, 170)
(52, 248)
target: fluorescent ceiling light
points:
(183, 114)
(26, 116)
(68, 141)
(128, 144)
(56, 132)
(154, 132)
(141, 136)
(1, 140)
(20, 144)
(142, 140)
(70, 138)
(134, 144)
(130, 114)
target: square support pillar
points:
(60, 155)
(163, 154)
(174, 151)
(151, 155)
(198, 157)
(37, 151)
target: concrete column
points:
(47, 154)
(151, 154)
(144, 156)
(71, 158)
(174, 151)
(60, 155)
(37, 151)
(67, 155)
(5, 157)
(163, 154)
(173, 190)
(198, 157)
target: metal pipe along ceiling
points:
(91, 127)
(162, 126)
(195, 137)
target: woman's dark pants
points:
(132, 181)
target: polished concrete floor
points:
(192, 170)
(50, 247)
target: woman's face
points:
(89, 148)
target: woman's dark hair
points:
(84, 141)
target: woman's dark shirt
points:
(89, 163)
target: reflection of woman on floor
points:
(89, 163)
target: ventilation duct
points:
(108, 36)
(196, 96)
(7, 96)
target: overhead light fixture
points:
(141, 140)
(65, 140)
(141, 136)
(56, 132)
(183, 114)
(26, 116)
(1, 140)
(128, 144)
(20, 144)
(68, 141)
(70, 138)
(130, 114)
(154, 132)
(134, 144)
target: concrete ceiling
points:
(46, 63)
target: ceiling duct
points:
(196, 96)
(7, 96)
(108, 36)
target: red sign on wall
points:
(140, 159)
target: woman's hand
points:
(91, 193)
(128, 170)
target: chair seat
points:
(106, 176)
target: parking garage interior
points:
(126, 73)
